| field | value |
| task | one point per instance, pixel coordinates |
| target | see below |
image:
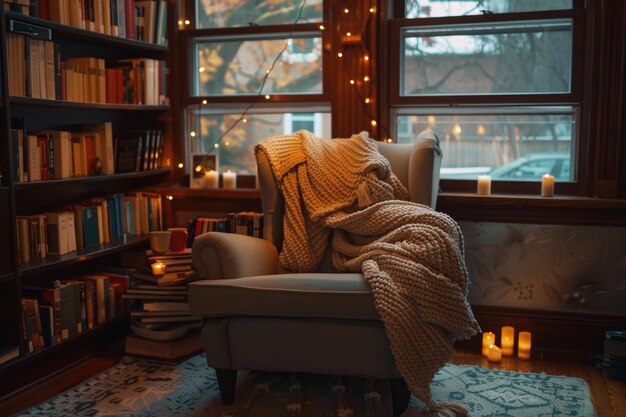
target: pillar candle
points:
(158, 268)
(547, 185)
(229, 180)
(211, 179)
(507, 340)
(495, 354)
(523, 345)
(488, 339)
(484, 185)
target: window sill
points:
(533, 209)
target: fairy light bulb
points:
(192, 134)
(372, 10)
(181, 165)
(217, 145)
(204, 102)
(187, 22)
(339, 54)
(348, 34)
(322, 27)
(346, 10)
(244, 120)
(373, 123)
(198, 168)
(170, 197)
(201, 69)
(366, 58)
(367, 100)
(352, 82)
(366, 78)
(267, 97)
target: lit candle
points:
(495, 354)
(230, 180)
(507, 340)
(547, 185)
(488, 339)
(211, 179)
(523, 345)
(484, 185)
(158, 268)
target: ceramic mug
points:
(160, 241)
(179, 238)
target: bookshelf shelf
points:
(55, 262)
(7, 277)
(57, 192)
(73, 34)
(76, 105)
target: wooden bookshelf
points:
(36, 197)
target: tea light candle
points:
(484, 185)
(158, 268)
(211, 179)
(230, 180)
(488, 339)
(547, 185)
(523, 345)
(507, 340)
(495, 354)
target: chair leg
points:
(400, 396)
(227, 382)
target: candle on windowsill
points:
(523, 345)
(211, 179)
(229, 180)
(158, 268)
(547, 185)
(484, 185)
(507, 340)
(488, 339)
(495, 354)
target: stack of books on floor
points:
(614, 359)
(160, 320)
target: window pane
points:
(229, 13)
(513, 146)
(442, 8)
(231, 67)
(505, 58)
(236, 149)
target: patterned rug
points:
(138, 387)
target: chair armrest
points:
(229, 255)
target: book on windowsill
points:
(183, 347)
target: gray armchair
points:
(257, 317)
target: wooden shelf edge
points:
(29, 101)
(66, 182)
(70, 31)
(52, 262)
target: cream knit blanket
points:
(411, 256)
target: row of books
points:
(614, 358)
(143, 20)
(61, 154)
(66, 308)
(97, 221)
(36, 69)
(245, 222)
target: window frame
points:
(399, 104)
(249, 102)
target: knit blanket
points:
(344, 192)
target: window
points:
(497, 80)
(256, 70)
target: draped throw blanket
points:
(411, 256)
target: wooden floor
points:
(609, 396)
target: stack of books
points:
(614, 359)
(161, 322)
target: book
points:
(127, 153)
(165, 306)
(173, 349)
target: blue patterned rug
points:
(137, 387)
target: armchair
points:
(259, 317)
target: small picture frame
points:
(201, 163)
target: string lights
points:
(351, 34)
